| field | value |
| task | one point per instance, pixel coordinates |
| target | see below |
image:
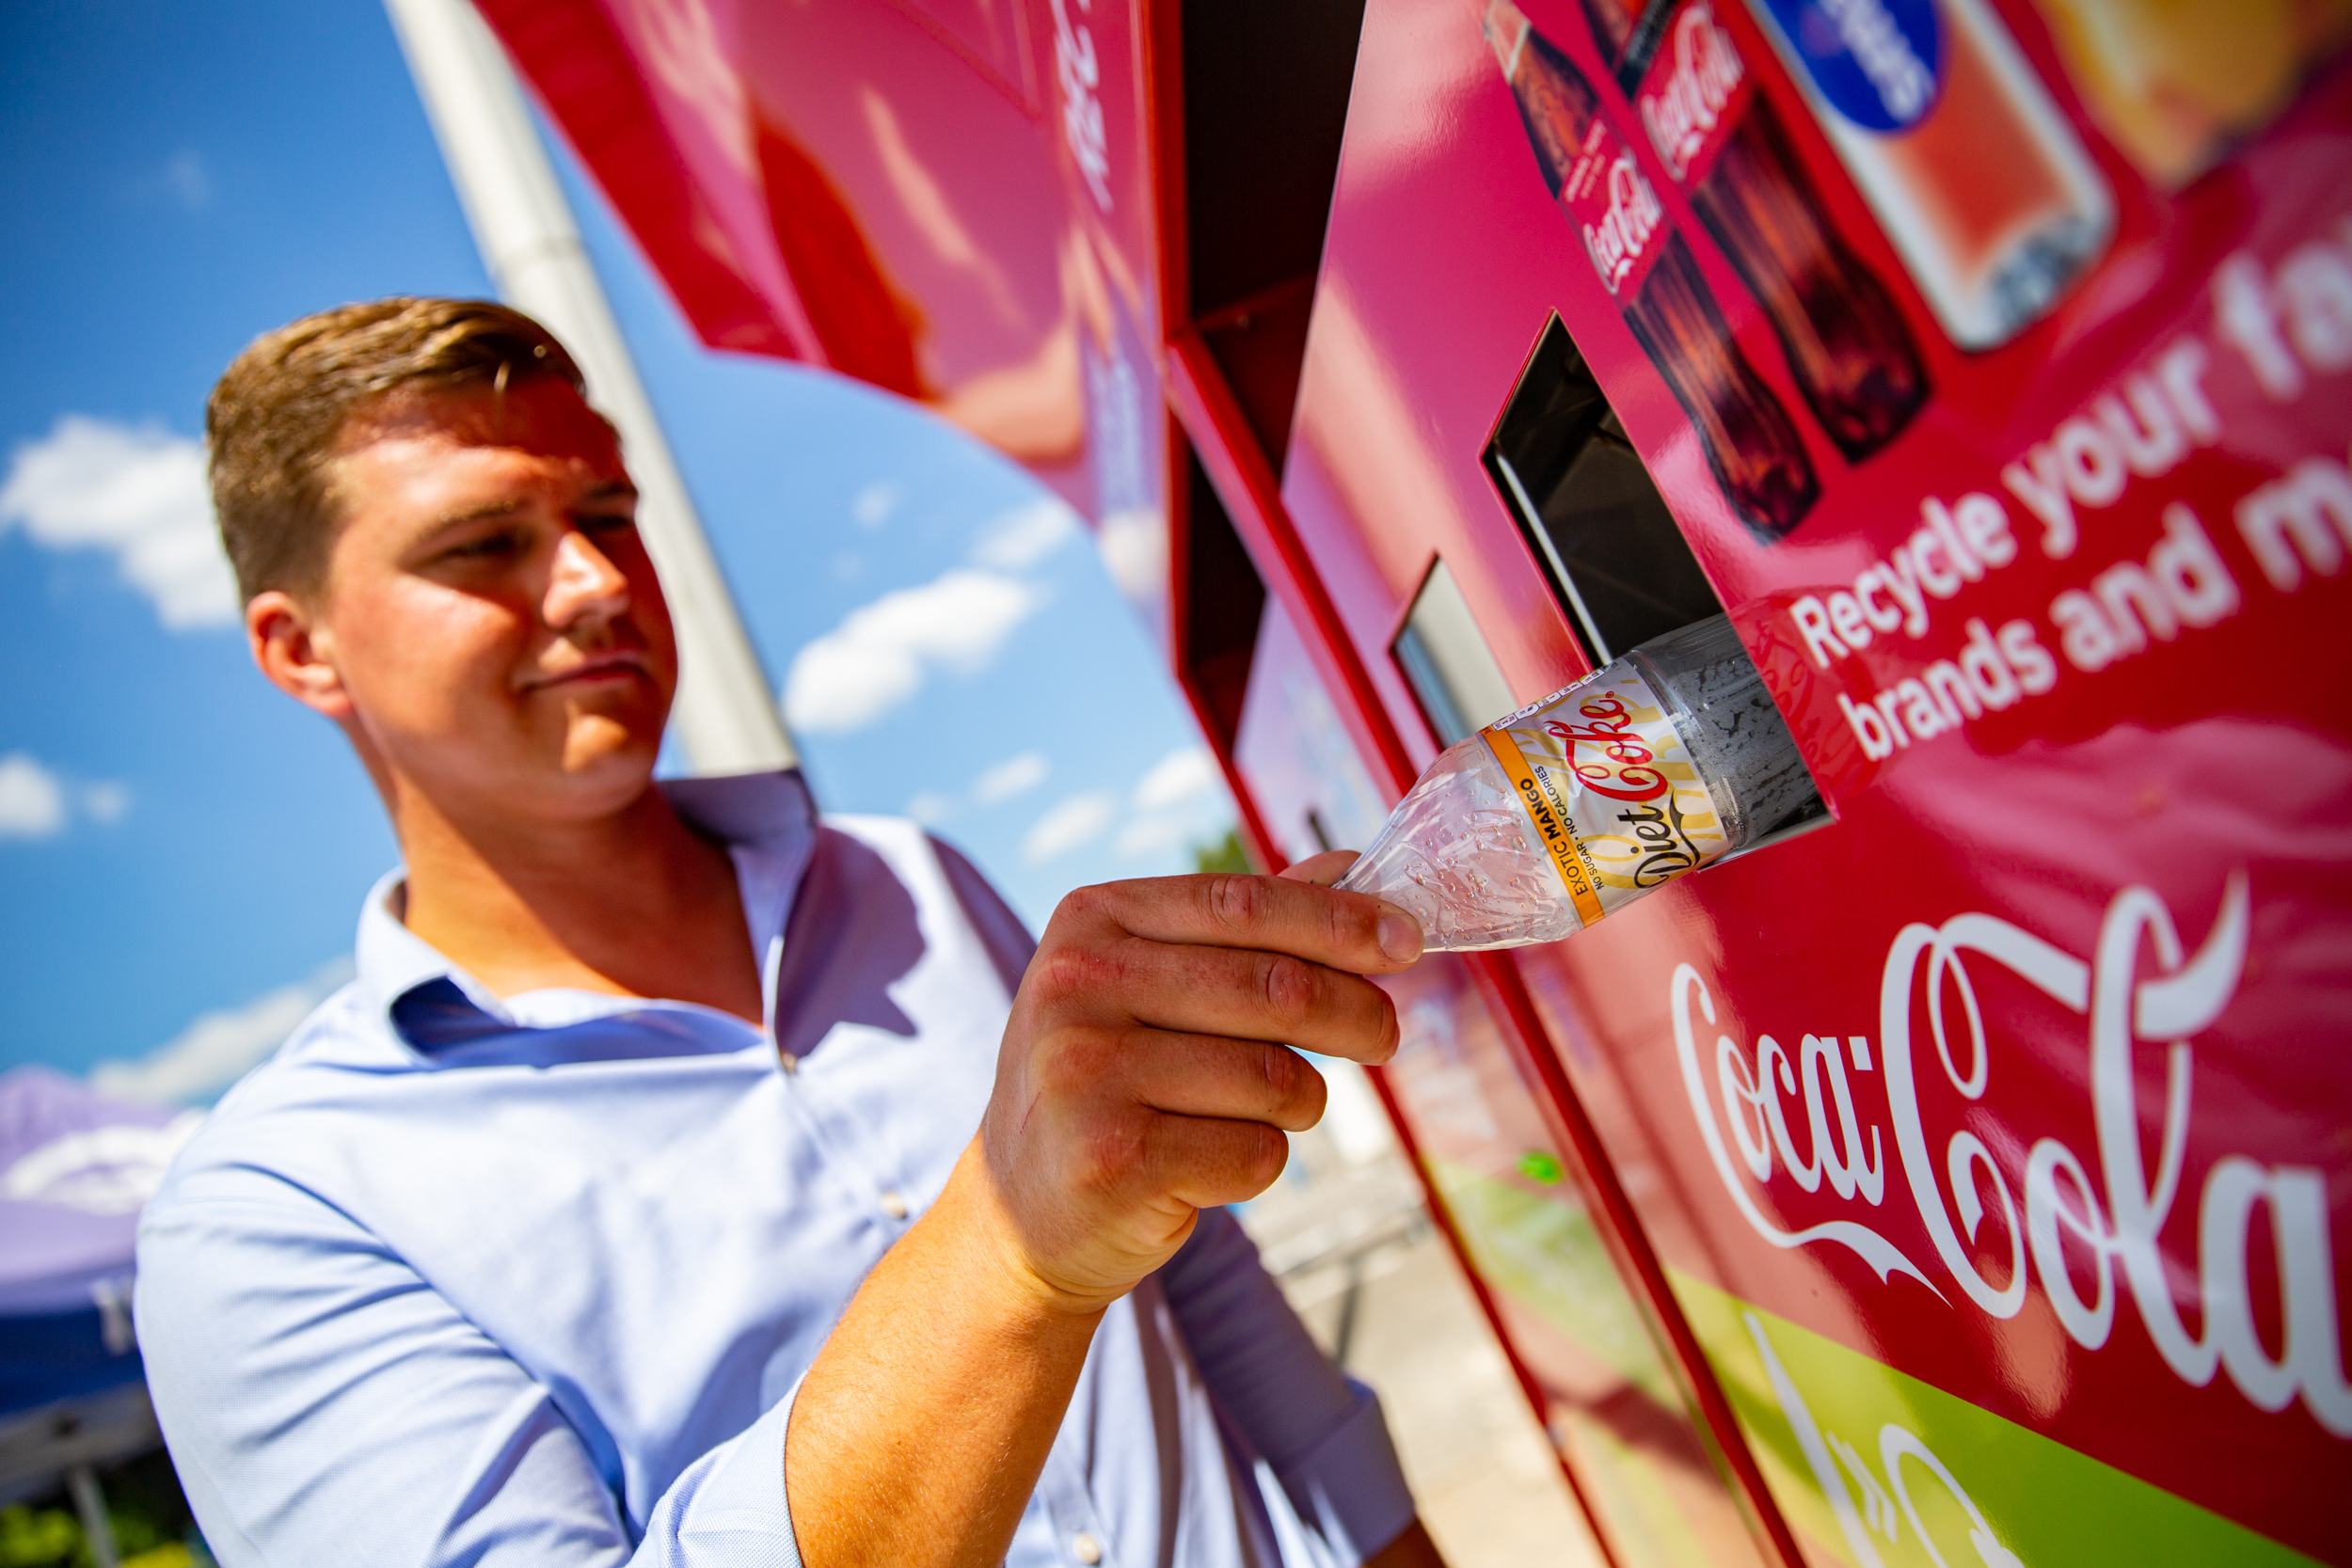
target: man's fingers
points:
(1321, 870)
(1353, 931)
(1205, 1162)
(1205, 1076)
(1241, 993)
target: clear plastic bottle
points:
(1549, 818)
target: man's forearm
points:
(921, 1428)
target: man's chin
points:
(603, 754)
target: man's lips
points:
(613, 664)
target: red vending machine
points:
(1961, 1174)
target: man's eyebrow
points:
(477, 514)
(612, 489)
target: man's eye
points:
(609, 522)
(490, 546)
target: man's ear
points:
(290, 643)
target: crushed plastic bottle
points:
(1549, 819)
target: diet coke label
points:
(1611, 792)
(1693, 94)
(1615, 208)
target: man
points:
(684, 1179)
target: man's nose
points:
(584, 584)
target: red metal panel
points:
(2099, 815)
(1245, 481)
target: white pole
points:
(89, 1501)
(726, 713)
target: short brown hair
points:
(277, 411)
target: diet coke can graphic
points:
(1984, 189)
(1751, 446)
(1854, 359)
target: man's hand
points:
(1147, 1072)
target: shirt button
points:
(896, 1207)
(1086, 1549)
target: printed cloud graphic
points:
(879, 655)
(138, 493)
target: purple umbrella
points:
(74, 1168)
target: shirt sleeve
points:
(1320, 1432)
(323, 1405)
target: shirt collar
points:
(768, 822)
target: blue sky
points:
(183, 850)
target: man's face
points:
(489, 610)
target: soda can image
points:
(2179, 84)
(1693, 96)
(1987, 195)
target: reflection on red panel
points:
(989, 34)
(1613, 1409)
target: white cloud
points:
(878, 658)
(1132, 542)
(1075, 822)
(140, 493)
(32, 802)
(1026, 535)
(1013, 776)
(875, 504)
(931, 808)
(1175, 802)
(105, 801)
(1148, 835)
(1178, 776)
(189, 178)
(37, 802)
(220, 1048)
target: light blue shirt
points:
(462, 1279)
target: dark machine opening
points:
(1218, 602)
(1447, 662)
(1265, 90)
(1614, 556)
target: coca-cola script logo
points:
(2076, 1225)
(1617, 241)
(1688, 93)
(1623, 767)
(1650, 840)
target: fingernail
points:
(1400, 937)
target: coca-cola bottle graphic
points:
(1852, 357)
(1751, 446)
(1986, 192)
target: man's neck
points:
(631, 904)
